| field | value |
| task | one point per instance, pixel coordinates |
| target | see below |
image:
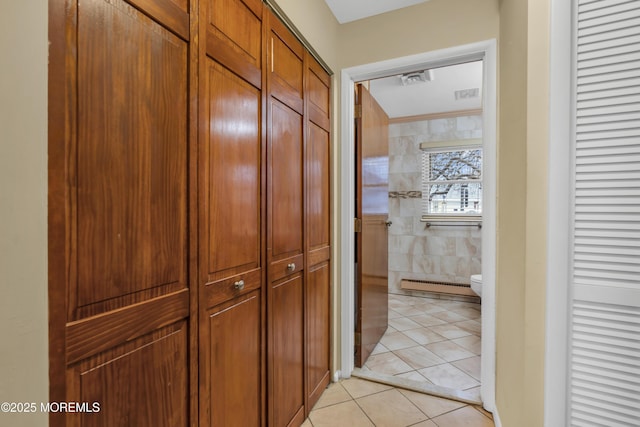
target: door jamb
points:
(559, 216)
(486, 51)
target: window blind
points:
(604, 371)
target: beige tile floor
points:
(356, 402)
(436, 341)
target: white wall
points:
(440, 254)
(23, 208)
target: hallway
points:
(355, 402)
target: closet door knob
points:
(239, 285)
(291, 267)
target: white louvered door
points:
(604, 372)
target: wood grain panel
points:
(316, 256)
(93, 335)
(286, 66)
(234, 36)
(318, 324)
(285, 181)
(318, 182)
(236, 363)
(285, 267)
(141, 383)
(234, 173)
(318, 93)
(286, 352)
(131, 153)
(371, 244)
(171, 13)
(225, 289)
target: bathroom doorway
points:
(485, 53)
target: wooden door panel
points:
(373, 306)
(231, 211)
(317, 175)
(318, 94)
(119, 249)
(286, 332)
(139, 383)
(235, 361)
(286, 63)
(372, 207)
(285, 182)
(171, 13)
(318, 320)
(131, 177)
(234, 36)
(88, 337)
(233, 181)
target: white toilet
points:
(476, 284)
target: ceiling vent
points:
(467, 93)
(416, 77)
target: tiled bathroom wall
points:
(442, 254)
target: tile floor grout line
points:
(464, 317)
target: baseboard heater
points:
(437, 287)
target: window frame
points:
(433, 147)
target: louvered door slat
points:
(604, 386)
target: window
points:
(451, 181)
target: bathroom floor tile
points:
(397, 341)
(432, 340)
(473, 343)
(449, 351)
(432, 406)
(419, 357)
(403, 324)
(424, 336)
(360, 388)
(450, 316)
(335, 393)
(385, 406)
(379, 348)
(413, 376)
(387, 363)
(428, 320)
(469, 313)
(471, 326)
(469, 366)
(427, 423)
(463, 417)
(346, 414)
(447, 375)
(393, 314)
(449, 331)
(391, 408)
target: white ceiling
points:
(435, 96)
(352, 10)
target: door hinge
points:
(356, 338)
(357, 225)
(357, 111)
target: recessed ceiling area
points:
(438, 90)
(352, 10)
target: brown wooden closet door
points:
(235, 363)
(231, 209)
(119, 254)
(318, 213)
(285, 228)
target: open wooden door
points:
(372, 212)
